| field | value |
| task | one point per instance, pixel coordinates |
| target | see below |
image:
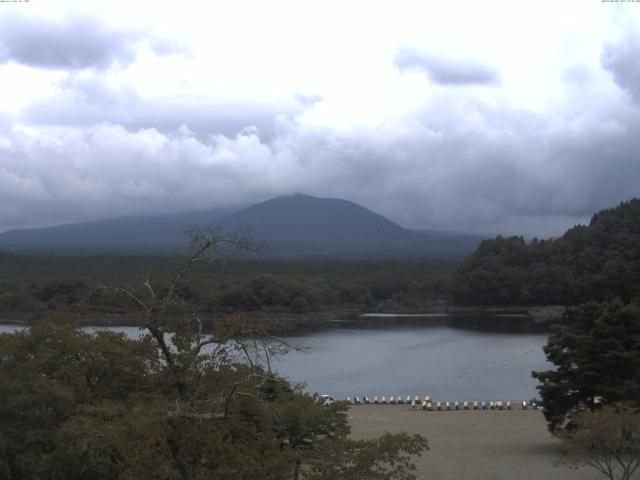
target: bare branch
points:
(128, 293)
(204, 343)
(267, 357)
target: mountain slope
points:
(148, 234)
(293, 226)
(300, 223)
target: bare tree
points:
(177, 330)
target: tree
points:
(597, 362)
(587, 263)
(384, 458)
(49, 374)
(181, 403)
(607, 440)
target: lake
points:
(447, 363)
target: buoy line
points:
(493, 365)
(426, 403)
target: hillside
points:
(140, 234)
(586, 263)
(293, 226)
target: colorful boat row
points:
(428, 404)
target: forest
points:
(589, 262)
(32, 286)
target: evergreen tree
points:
(597, 361)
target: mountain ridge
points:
(295, 225)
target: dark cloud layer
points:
(98, 147)
(621, 59)
(447, 71)
(71, 43)
(460, 165)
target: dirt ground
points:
(468, 445)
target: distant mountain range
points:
(293, 226)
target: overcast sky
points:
(494, 117)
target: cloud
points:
(151, 138)
(70, 43)
(460, 164)
(447, 71)
(621, 59)
(83, 100)
(106, 170)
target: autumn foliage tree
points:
(607, 440)
(185, 401)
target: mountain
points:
(303, 226)
(136, 234)
(319, 224)
(293, 226)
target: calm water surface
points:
(446, 363)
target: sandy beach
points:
(467, 445)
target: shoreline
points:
(517, 319)
(506, 319)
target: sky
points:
(495, 117)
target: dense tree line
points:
(44, 285)
(593, 269)
(587, 263)
(596, 269)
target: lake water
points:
(447, 363)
